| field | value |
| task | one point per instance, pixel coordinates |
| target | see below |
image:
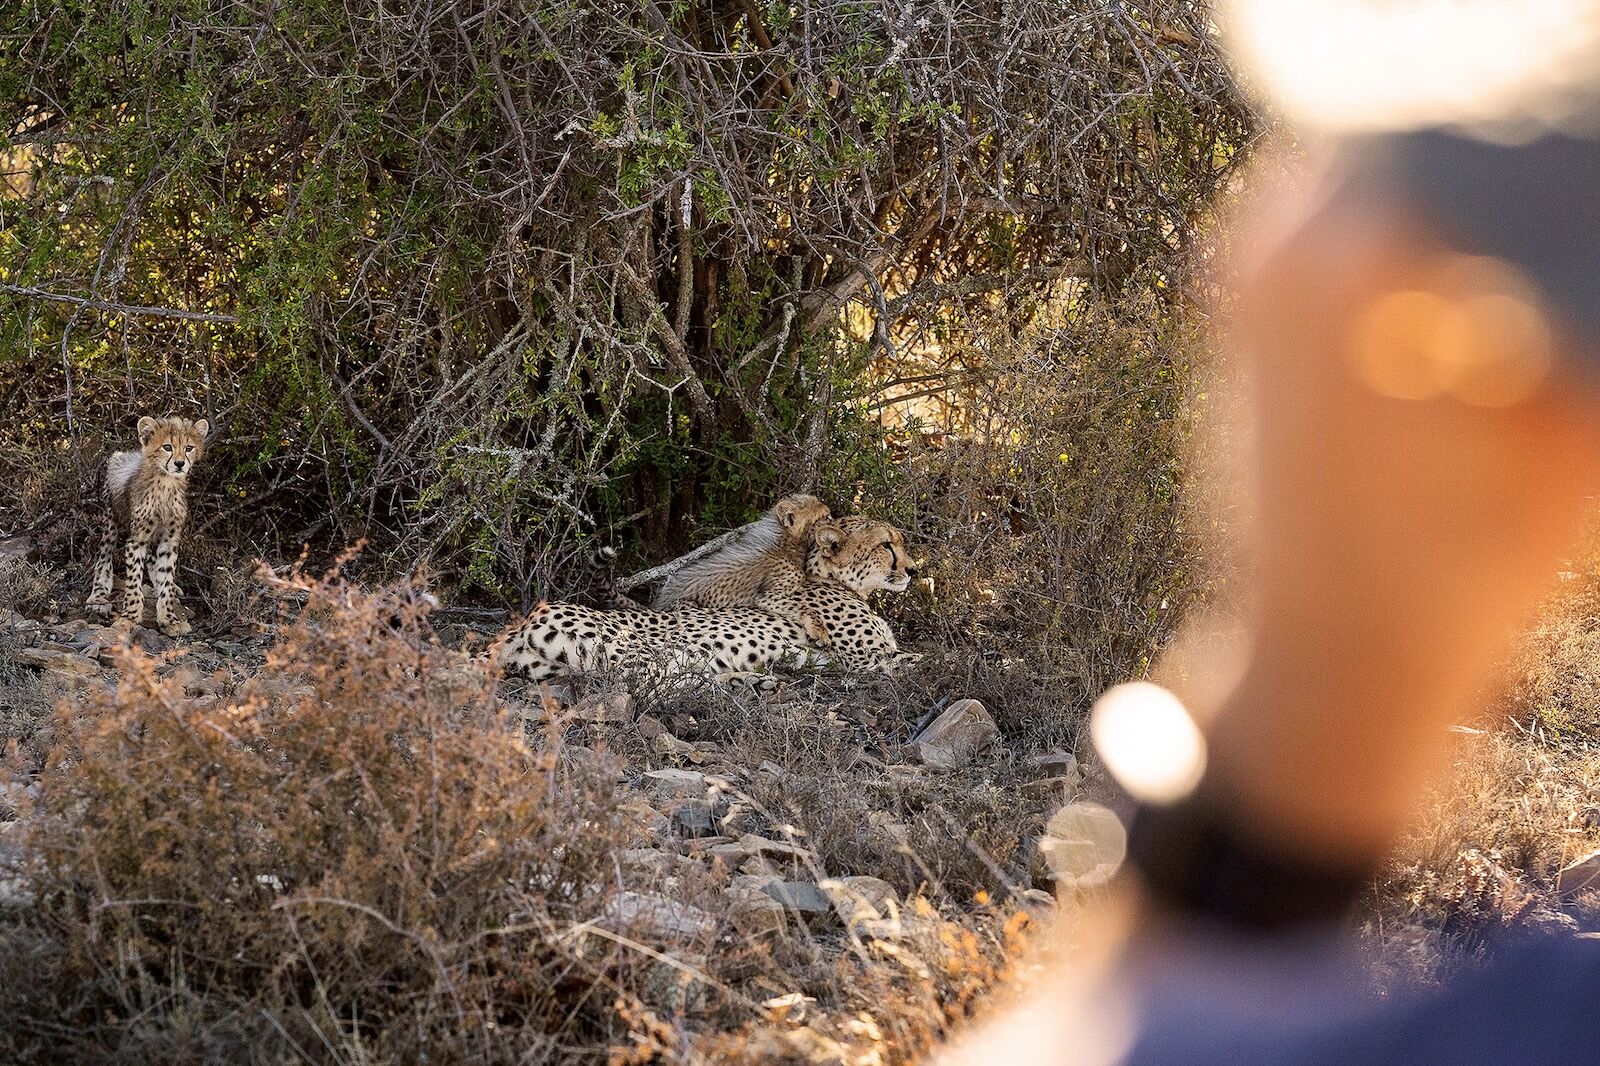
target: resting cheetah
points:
(843, 566)
(764, 568)
(145, 498)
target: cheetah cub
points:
(765, 568)
(145, 499)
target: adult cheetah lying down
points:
(847, 560)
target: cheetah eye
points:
(189, 448)
(887, 544)
(167, 447)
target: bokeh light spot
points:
(1148, 741)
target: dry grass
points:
(1521, 804)
(363, 853)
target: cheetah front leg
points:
(133, 581)
(166, 585)
(99, 601)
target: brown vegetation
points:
(360, 851)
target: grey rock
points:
(692, 818)
(859, 899)
(675, 784)
(652, 861)
(1055, 763)
(60, 663)
(801, 896)
(961, 731)
(775, 849)
(1580, 875)
(649, 727)
(649, 916)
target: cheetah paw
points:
(177, 628)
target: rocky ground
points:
(832, 821)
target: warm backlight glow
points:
(1513, 66)
(1478, 335)
(1148, 741)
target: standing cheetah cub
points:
(764, 568)
(146, 500)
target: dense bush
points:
(475, 279)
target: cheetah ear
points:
(202, 426)
(828, 536)
(788, 513)
(147, 429)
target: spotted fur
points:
(763, 568)
(145, 497)
(728, 642)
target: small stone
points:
(676, 985)
(649, 860)
(613, 708)
(692, 818)
(961, 731)
(896, 928)
(60, 663)
(802, 897)
(649, 727)
(888, 827)
(756, 919)
(731, 853)
(644, 914)
(774, 849)
(652, 821)
(669, 745)
(791, 1007)
(751, 885)
(675, 784)
(19, 546)
(1052, 788)
(599, 763)
(554, 695)
(92, 638)
(1055, 763)
(151, 641)
(703, 751)
(1579, 875)
(701, 846)
(859, 899)
(1038, 902)
(740, 818)
(14, 890)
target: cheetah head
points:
(173, 444)
(860, 553)
(797, 514)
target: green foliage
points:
(481, 283)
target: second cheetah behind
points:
(764, 568)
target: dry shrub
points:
(1482, 861)
(24, 587)
(357, 857)
(1555, 673)
(1050, 504)
(1519, 805)
(893, 1001)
